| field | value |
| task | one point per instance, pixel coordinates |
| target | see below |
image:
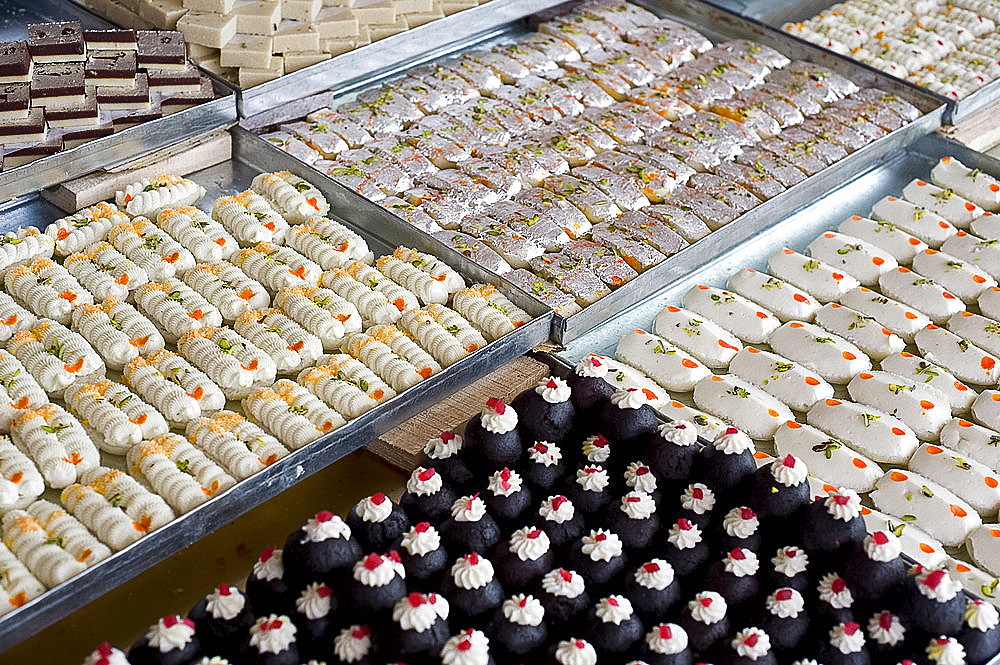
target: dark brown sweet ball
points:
(546, 412)
(316, 614)
(377, 584)
(563, 594)
(169, 641)
(740, 528)
(492, 436)
(544, 466)
(833, 599)
(685, 549)
(590, 393)
(447, 453)
(560, 520)
(590, 490)
(888, 638)
(221, 619)
(844, 644)
(508, 498)
(706, 620)
(785, 619)
(735, 577)
(377, 522)
(424, 557)
(321, 550)
(980, 634)
(671, 451)
(832, 523)
(652, 589)
(629, 419)
(932, 601)
(728, 465)
(789, 567)
(524, 557)
(266, 587)
(420, 625)
(873, 569)
(469, 646)
(353, 644)
(750, 646)
(634, 519)
(427, 495)
(472, 589)
(600, 557)
(518, 627)
(666, 644)
(470, 528)
(780, 489)
(272, 641)
(613, 626)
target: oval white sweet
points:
(825, 457)
(976, 441)
(976, 581)
(671, 367)
(958, 277)
(812, 275)
(980, 330)
(786, 301)
(742, 405)
(930, 227)
(945, 202)
(926, 504)
(857, 257)
(919, 370)
(891, 313)
(792, 383)
(983, 544)
(916, 542)
(980, 188)
(962, 358)
(832, 357)
(884, 235)
(989, 303)
(986, 409)
(740, 316)
(870, 431)
(709, 427)
(705, 340)
(862, 330)
(923, 294)
(983, 254)
(623, 377)
(923, 408)
(987, 226)
(972, 481)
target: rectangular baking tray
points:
(110, 150)
(779, 13)
(383, 233)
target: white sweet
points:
(523, 610)
(972, 481)
(118, 416)
(705, 340)
(929, 227)
(346, 385)
(792, 383)
(151, 248)
(19, 477)
(272, 634)
(176, 308)
(434, 268)
(292, 413)
(19, 585)
(857, 257)
(277, 267)
(976, 581)
(207, 240)
(921, 293)
(470, 647)
(290, 195)
(915, 542)
(916, 369)
(824, 281)
(234, 443)
(899, 244)
(957, 277)
(232, 362)
(668, 365)
(115, 507)
(228, 288)
(963, 358)
(174, 386)
(290, 346)
(986, 409)
(784, 300)
(105, 272)
(980, 188)
(117, 331)
(321, 311)
(601, 545)
(24, 245)
(984, 547)
(372, 304)
(894, 315)
(986, 227)
(397, 371)
(870, 431)
(707, 426)
(740, 316)
(936, 510)
(56, 442)
(150, 195)
(825, 457)
(54, 355)
(47, 289)
(980, 330)
(741, 404)
(472, 571)
(708, 607)
(614, 609)
(862, 330)
(443, 332)
(13, 317)
(979, 253)
(250, 218)
(924, 408)
(833, 358)
(399, 343)
(395, 294)
(945, 202)
(83, 229)
(18, 390)
(976, 441)
(178, 471)
(489, 310)
(328, 243)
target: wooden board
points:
(403, 446)
(979, 132)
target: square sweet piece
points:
(162, 14)
(207, 28)
(25, 153)
(14, 101)
(250, 76)
(247, 51)
(120, 98)
(295, 60)
(375, 11)
(301, 10)
(258, 18)
(110, 68)
(15, 62)
(57, 83)
(56, 42)
(181, 80)
(295, 36)
(336, 23)
(76, 137)
(24, 130)
(160, 49)
(182, 100)
(110, 40)
(74, 115)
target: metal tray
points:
(394, 53)
(779, 13)
(110, 150)
(383, 234)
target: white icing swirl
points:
(882, 546)
(523, 610)
(667, 639)
(980, 615)
(497, 417)
(597, 449)
(468, 509)
(614, 609)
(557, 509)
(575, 652)
(472, 572)
(733, 442)
(376, 570)
(505, 482)
(843, 504)
(315, 601)
(105, 654)
(269, 566)
(740, 522)
(785, 603)
(169, 633)
(424, 482)
(553, 390)
(684, 535)
(545, 453)
(563, 583)
(885, 628)
(470, 647)
(374, 508)
(352, 644)
(847, 637)
(628, 398)
(790, 561)
(833, 590)
(946, 651)
(529, 543)
(592, 366)
(638, 476)
(698, 499)
(938, 585)
(638, 505)
(789, 471)
(655, 574)
(708, 607)
(225, 602)
(741, 563)
(680, 432)
(752, 643)
(325, 526)
(421, 539)
(418, 611)
(602, 545)
(443, 445)
(592, 478)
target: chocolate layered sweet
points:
(15, 62)
(56, 42)
(14, 101)
(110, 68)
(122, 39)
(58, 83)
(160, 48)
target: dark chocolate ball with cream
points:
(547, 412)
(493, 437)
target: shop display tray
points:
(383, 233)
(778, 13)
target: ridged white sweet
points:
(372, 304)
(250, 218)
(294, 198)
(429, 288)
(105, 272)
(18, 584)
(18, 390)
(233, 362)
(151, 248)
(55, 355)
(56, 442)
(168, 397)
(17, 469)
(206, 239)
(228, 288)
(82, 229)
(234, 443)
(321, 311)
(177, 370)
(398, 296)
(277, 267)
(291, 346)
(23, 245)
(443, 332)
(117, 330)
(176, 308)
(346, 384)
(328, 243)
(178, 471)
(13, 317)
(150, 195)
(489, 310)
(394, 369)
(47, 289)
(292, 413)
(404, 347)
(116, 413)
